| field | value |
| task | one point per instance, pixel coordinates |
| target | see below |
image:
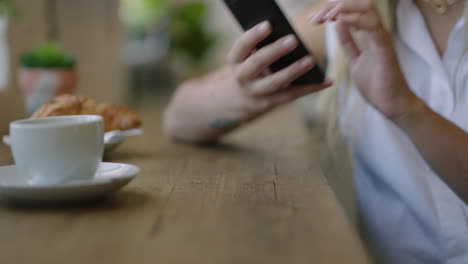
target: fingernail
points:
(289, 41)
(263, 27)
(306, 63)
(327, 81)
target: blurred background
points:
(122, 51)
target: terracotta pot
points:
(40, 85)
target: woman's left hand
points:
(373, 64)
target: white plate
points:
(109, 177)
(112, 139)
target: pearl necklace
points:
(441, 6)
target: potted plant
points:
(46, 72)
(175, 30)
(190, 39)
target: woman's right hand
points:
(258, 88)
(203, 109)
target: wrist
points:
(415, 111)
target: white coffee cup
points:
(54, 150)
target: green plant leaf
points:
(188, 32)
(48, 55)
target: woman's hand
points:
(258, 88)
(375, 71)
(373, 63)
(203, 109)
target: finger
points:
(282, 78)
(266, 72)
(362, 22)
(370, 24)
(317, 17)
(333, 13)
(351, 7)
(254, 65)
(360, 15)
(297, 92)
(347, 41)
(331, 10)
(246, 43)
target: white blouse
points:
(410, 215)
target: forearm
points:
(442, 144)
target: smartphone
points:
(251, 12)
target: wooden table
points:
(259, 198)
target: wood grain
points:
(260, 197)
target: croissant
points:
(115, 117)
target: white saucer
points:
(108, 178)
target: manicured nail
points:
(289, 41)
(263, 27)
(306, 63)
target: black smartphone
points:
(251, 12)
